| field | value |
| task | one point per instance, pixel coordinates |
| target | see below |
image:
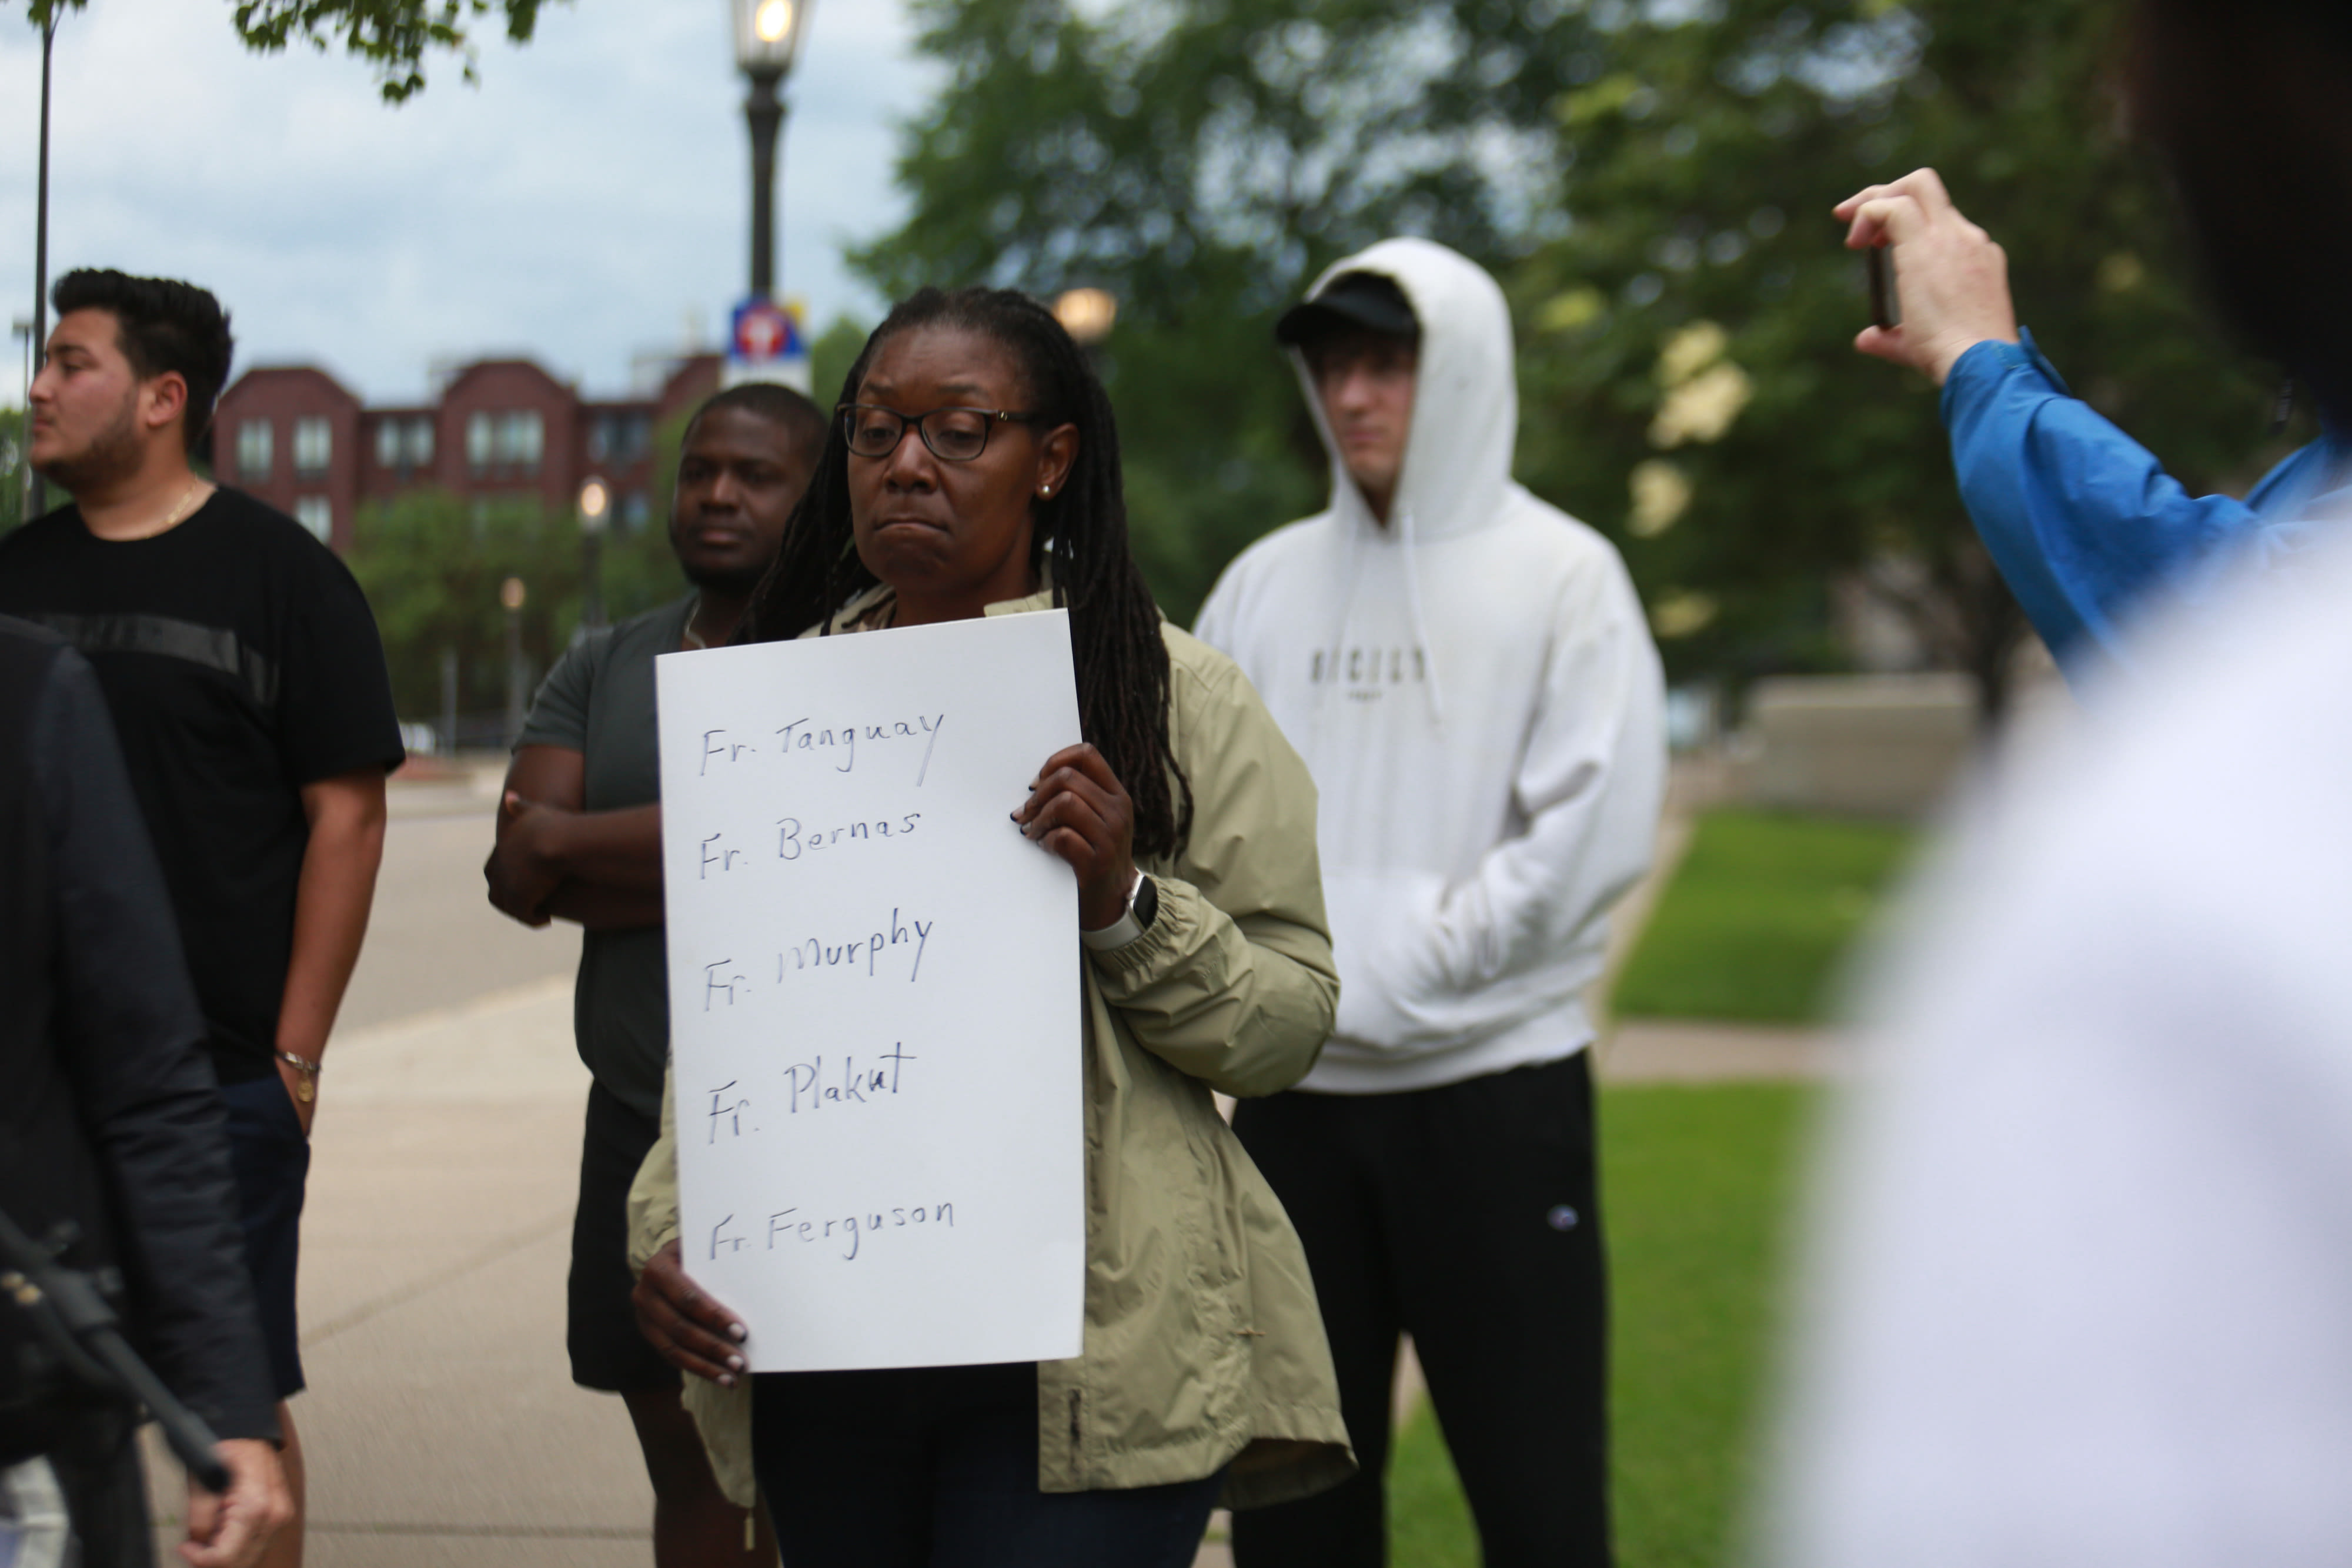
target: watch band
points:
(1142, 907)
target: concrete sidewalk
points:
(442, 1425)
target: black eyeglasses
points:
(953, 435)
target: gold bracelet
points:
(308, 1089)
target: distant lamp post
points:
(40, 341)
(1087, 314)
(510, 594)
(595, 506)
(767, 36)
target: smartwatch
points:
(1142, 908)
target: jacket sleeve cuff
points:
(1976, 373)
(1171, 936)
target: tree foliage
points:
(395, 35)
(1201, 159)
(1651, 182)
(11, 471)
(432, 564)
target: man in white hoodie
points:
(1467, 673)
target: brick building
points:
(500, 430)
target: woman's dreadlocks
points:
(1122, 664)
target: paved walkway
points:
(442, 1425)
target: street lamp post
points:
(40, 275)
(767, 36)
(595, 502)
(510, 594)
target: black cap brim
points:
(1375, 305)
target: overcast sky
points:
(587, 204)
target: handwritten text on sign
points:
(874, 994)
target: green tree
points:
(1201, 159)
(395, 35)
(431, 565)
(1691, 386)
(835, 349)
(1653, 182)
(12, 473)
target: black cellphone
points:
(1885, 311)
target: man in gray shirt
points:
(579, 839)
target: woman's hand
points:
(693, 1332)
(1079, 810)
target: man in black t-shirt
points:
(579, 839)
(248, 689)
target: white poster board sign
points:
(874, 984)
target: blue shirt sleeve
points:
(2080, 519)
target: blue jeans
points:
(937, 1467)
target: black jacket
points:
(110, 1118)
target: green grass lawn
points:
(1757, 916)
(1697, 1182)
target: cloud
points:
(581, 206)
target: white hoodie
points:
(1476, 692)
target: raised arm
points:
(1233, 982)
(2080, 519)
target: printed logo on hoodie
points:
(1366, 671)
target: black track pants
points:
(1467, 1217)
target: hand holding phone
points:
(1949, 291)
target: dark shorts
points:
(607, 1350)
(271, 1158)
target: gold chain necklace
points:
(179, 507)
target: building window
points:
(511, 442)
(619, 440)
(522, 440)
(404, 445)
(254, 440)
(317, 514)
(635, 512)
(314, 446)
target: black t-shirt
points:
(241, 662)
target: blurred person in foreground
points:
(111, 1125)
(1467, 673)
(972, 469)
(2086, 1269)
(248, 687)
(2083, 521)
(579, 839)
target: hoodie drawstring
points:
(1352, 571)
(1422, 648)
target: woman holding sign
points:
(973, 468)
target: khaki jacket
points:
(1203, 1342)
